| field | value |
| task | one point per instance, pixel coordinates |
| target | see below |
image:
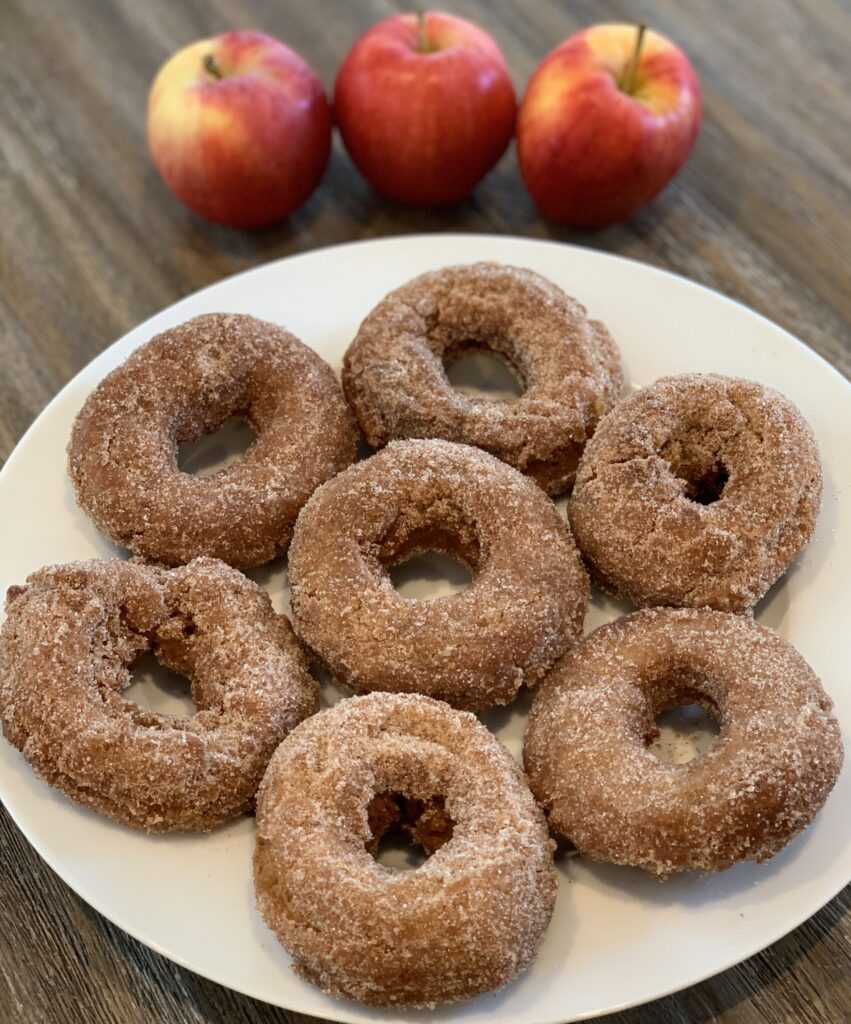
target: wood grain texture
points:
(91, 243)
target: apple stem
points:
(423, 44)
(211, 66)
(628, 83)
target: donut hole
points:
(406, 831)
(684, 728)
(430, 553)
(477, 371)
(695, 462)
(212, 452)
(707, 487)
(153, 687)
(429, 575)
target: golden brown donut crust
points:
(395, 380)
(467, 921)
(637, 512)
(474, 649)
(769, 771)
(185, 382)
(67, 648)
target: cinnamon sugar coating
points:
(569, 366)
(67, 647)
(697, 491)
(769, 771)
(468, 920)
(474, 649)
(185, 382)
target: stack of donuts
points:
(689, 500)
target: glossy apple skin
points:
(245, 149)
(589, 153)
(425, 127)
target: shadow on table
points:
(344, 199)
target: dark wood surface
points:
(91, 243)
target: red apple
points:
(240, 128)
(599, 133)
(425, 106)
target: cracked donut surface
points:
(468, 920)
(184, 383)
(395, 379)
(769, 771)
(698, 490)
(474, 649)
(67, 647)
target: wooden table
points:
(91, 243)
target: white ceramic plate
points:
(617, 937)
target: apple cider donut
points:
(68, 644)
(697, 491)
(474, 649)
(395, 380)
(122, 456)
(769, 771)
(468, 920)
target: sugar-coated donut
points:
(474, 649)
(697, 491)
(394, 371)
(122, 456)
(769, 771)
(67, 647)
(466, 921)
